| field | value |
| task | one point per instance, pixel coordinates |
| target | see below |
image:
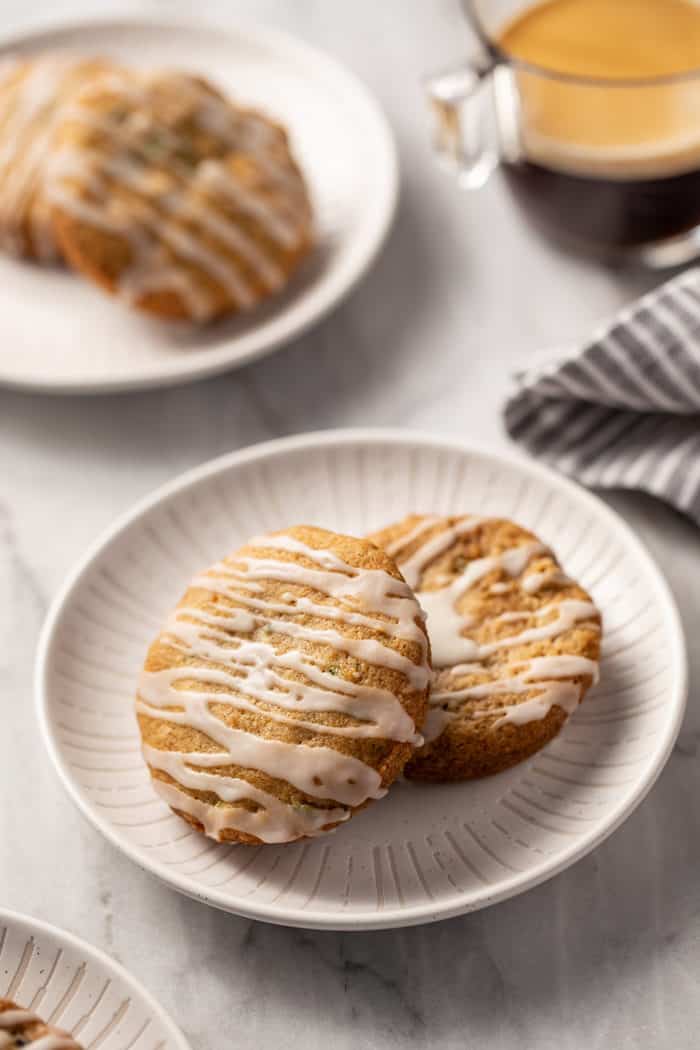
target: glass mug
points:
(611, 166)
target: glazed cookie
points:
(32, 94)
(170, 196)
(515, 642)
(19, 1027)
(286, 689)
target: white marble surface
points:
(605, 955)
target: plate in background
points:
(426, 851)
(61, 334)
(76, 987)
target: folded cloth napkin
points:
(624, 410)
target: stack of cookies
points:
(154, 186)
(298, 678)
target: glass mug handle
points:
(464, 121)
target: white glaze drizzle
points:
(16, 1017)
(168, 218)
(256, 671)
(536, 668)
(535, 581)
(446, 623)
(499, 588)
(27, 123)
(414, 564)
(568, 612)
(450, 647)
(424, 525)
(279, 225)
(275, 822)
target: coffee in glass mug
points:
(593, 109)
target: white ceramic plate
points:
(426, 851)
(60, 334)
(72, 985)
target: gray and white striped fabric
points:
(624, 410)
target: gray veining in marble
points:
(607, 955)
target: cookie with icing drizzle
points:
(33, 91)
(515, 642)
(22, 1028)
(287, 689)
(173, 198)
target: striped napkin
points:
(624, 410)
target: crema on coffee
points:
(609, 116)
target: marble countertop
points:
(606, 954)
